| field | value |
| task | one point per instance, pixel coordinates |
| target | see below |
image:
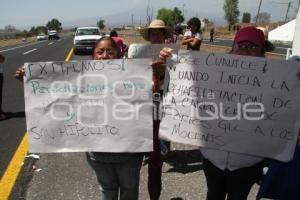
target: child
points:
(193, 38)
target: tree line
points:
(53, 24)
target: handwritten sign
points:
(148, 50)
(102, 106)
(234, 103)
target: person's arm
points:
(186, 40)
(164, 53)
(196, 42)
(20, 73)
(2, 58)
(159, 66)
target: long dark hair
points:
(112, 41)
(196, 22)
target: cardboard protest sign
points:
(234, 103)
(103, 106)
(148, 50)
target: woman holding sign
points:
(118, 174)
(227, 173)
(156, 33)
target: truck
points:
(53, 35)
(85, 38)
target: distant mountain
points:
(139, 17)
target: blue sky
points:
(26, 13)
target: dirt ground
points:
(10, 42)
(132, 36)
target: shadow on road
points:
(10, 115)
(184, 161)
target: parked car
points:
(41, 36)
(85, 38)
(53, 35)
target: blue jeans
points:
(118, 177)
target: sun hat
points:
(255, 36)
(156, 24)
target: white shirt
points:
(228, 160)
(194, 35)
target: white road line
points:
(50, 43)
(281, 47)
(29, 51)
(18, 47)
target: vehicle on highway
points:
(41, 36)
(85, 38)
(53, 35)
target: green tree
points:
(232, 12)
(166, 15)
(32, 30)
(40, 29)
(246, 17)
(54, 24)
(178, 17)
(170, 17)
(100, 24)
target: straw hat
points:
(159, 24)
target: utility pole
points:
(287, 12)
(132, 19)
(258, 12)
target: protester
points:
(156, 33)
(118, 174)
(228, 173)
(2, 115)
(193, 37)
(178, 35)
(118, 40)
(282, 179)
(211, 34)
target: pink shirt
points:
(120, 43)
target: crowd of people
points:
(229, 175)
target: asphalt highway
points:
(13, 129)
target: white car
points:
(85, 38)
(41, 36)
(53, 35)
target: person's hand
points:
(20, 73)
(164, 53)
(159, 66)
